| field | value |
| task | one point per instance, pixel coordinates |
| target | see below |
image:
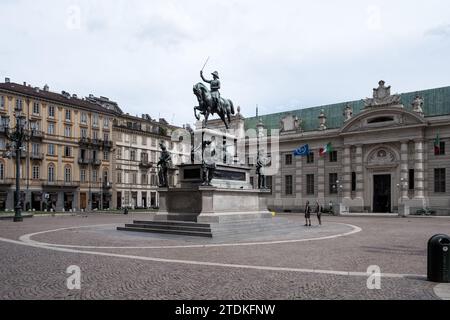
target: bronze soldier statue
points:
(215, 87)
(208, 163)
(163, 165)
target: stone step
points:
(169, 227)
(251, 230)
(174, 223)
(163, 231)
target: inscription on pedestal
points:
(191, 174)
(229, 175)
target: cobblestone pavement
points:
(396, 245)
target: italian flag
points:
(437, 144)
(327, 149)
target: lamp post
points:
(402, 187)
(17, 136)
(260, 174)
(339, 187)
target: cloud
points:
(147, 55)
(441, 31)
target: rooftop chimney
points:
(46, 88)
(24, 83)
(7, 80)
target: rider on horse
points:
(215, 87)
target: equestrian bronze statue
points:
(210, 101)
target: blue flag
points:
(302, 151)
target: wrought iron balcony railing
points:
(36, 156)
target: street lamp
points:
(17, 136)
(402, 186)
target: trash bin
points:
(439, 258)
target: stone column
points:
(419, 170)
(359, 172)
(347, 174)
(321, 180)
(404, 170)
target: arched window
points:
(51, 172)
(67, 174)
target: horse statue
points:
(207, 107)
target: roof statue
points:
(348, 112)
(382, 97)
(322, 120)
(417, 105)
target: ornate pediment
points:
(382, 117)
(381, 156)
(290, 123)
(382, 97)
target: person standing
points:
(308, 214)
(319, 213)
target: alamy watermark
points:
(73, 20)
(374, 280)
(73, 282)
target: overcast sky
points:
(281, 55)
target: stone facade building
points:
(382, 157)
(72, 162)
(137, 153)
(67, 163)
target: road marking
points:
(27, 238)
(208, 264)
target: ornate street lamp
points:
(17, 136)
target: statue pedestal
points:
(229, 198)
(209, 204)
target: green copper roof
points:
(436, 102)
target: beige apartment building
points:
(67, 164)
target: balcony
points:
(23, 155)
(83, 161)
(107, 185)
(7, 181)
(36, 156)
(84, 141)
(96, 162)
(107, 144)
(145, 164)
(36, 134)
(96, 142)
(61, 183)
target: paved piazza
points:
(328, 262)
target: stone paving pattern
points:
(397, 245)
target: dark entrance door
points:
(382, 193)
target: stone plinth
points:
(211, 204)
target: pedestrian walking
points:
(319, 212)
(308, 214)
